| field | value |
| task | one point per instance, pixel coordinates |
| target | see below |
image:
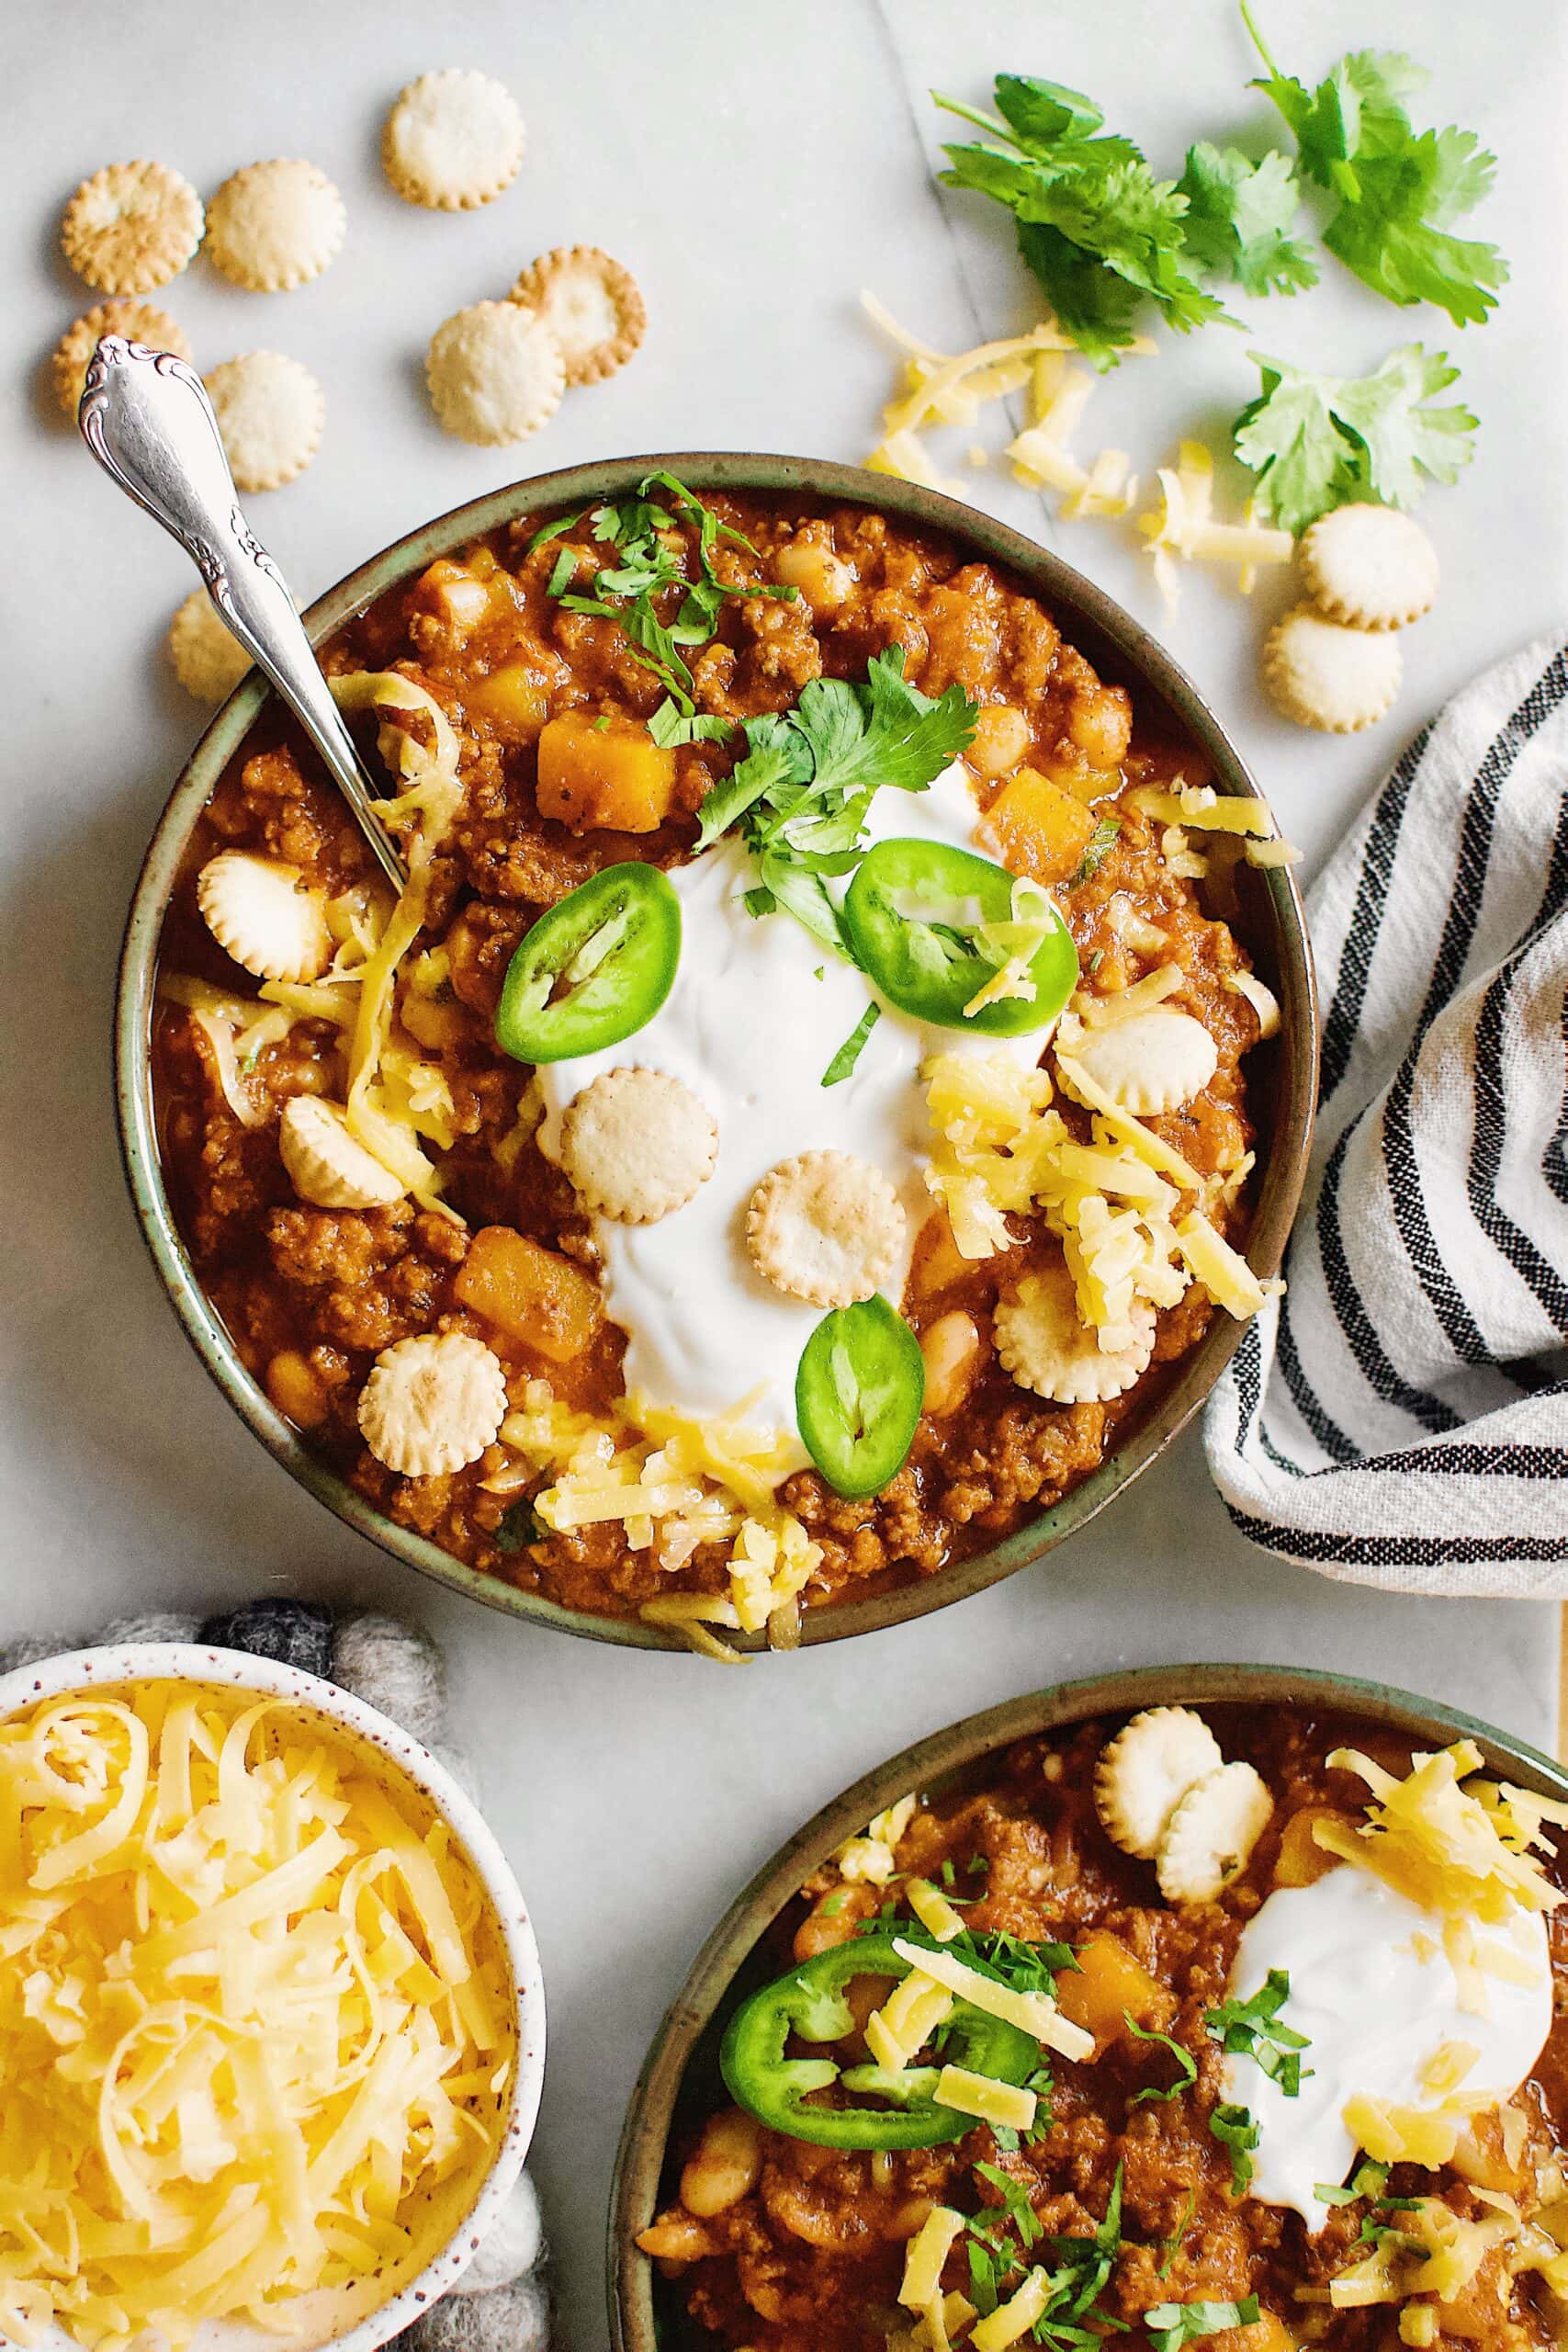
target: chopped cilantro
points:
(1097, 850)
(1233, 2125)
(849, 1053)
(517, 1527)
(949, 1877)
(669, 726)
(1102, 234)
(1252, 2028)
(1239, 216)
(1369, 2180)
(1172, 2245)
(1170, 2325)
(1184, 2058)
(651, 566)
(1317, 442)
(1399, 189)
(602, 725)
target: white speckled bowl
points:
(396, 1756)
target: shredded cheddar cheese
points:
(1034, 2013)
(924, 2256)
(254, 2017)
(1442, 1844)
(984, 2098)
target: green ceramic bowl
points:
(1284, 1086)
(680, 2081)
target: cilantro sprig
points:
(1186, 2063)
(1233, 2127)
(1252, 2028)
(1099, 231)
(1316, 442)
(1080, 2268)
(800, 795)
(649, 573)
(1239, 218)
(1399, 190)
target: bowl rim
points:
(109, 1664)
(1086, 610)
(941, 1756)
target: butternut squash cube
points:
(614, 776)
(1301, 1861)
(1038, 828)
(513, 700)
(531, 1293)
(1107, 1986)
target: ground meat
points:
(297, 1285)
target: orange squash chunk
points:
(615, 776)
(532, 1295)
(1301, 1861)
(1039, 829)
(1107, 1986)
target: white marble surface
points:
(756, 164)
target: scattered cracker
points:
(1323, 675)
(1370, 567)
(433, 1404)
(208, 659)
(495, 373)
(131, 227)
(1211, 1834)
(1043, 1344)
(1155, 1062)
(270, 412)
(591, 305)
(325, 1165)
(138, 321)
(825, 1227)
(637, 1145)
(1144, 1773)
(452, 141)
(274, 226)
(261, 912)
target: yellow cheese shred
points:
(255, 2019)
(1443, 1844)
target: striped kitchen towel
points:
(1400, 1417)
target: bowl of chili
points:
(537, 1025)
(722, 2046)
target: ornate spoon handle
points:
(147, 420)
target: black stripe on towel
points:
(1398, 1551)
(1343, 1018)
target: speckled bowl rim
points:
(930, 1765)
(199, 1662)
(1094, 622)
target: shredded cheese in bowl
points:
(259, 2012)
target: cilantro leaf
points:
(1399, 189)
(884, 733)
(1239, 216)
(668, 728)
(1171, 2246)
(1094, 225)
(1252, 2028)
(1317, 442)
(1096, 851)
(1184, 2058)
(777, 757)
(849, 1053)
(1170, 2325)
(1233, 2125)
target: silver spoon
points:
(146, 418)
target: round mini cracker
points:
(261, 914)
(1370, 567)
(275, 226)
(1211, 1834)
(593, 306)
(1151, 1063)
(453, 140)
(1144, 1773)
(1322, 675)
(326, 1164)
(138, 321)
(208, 659)
(1042, 1342)
(495, 373)
(131, 227)
(270, 412)
(637, 1145)
(825, 1227)
(433, 1404)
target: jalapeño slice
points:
(593, 970)
(932, 925)
(810, 2003)
(858, 1394)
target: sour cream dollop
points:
(1376, 1997)
(757, 1012)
